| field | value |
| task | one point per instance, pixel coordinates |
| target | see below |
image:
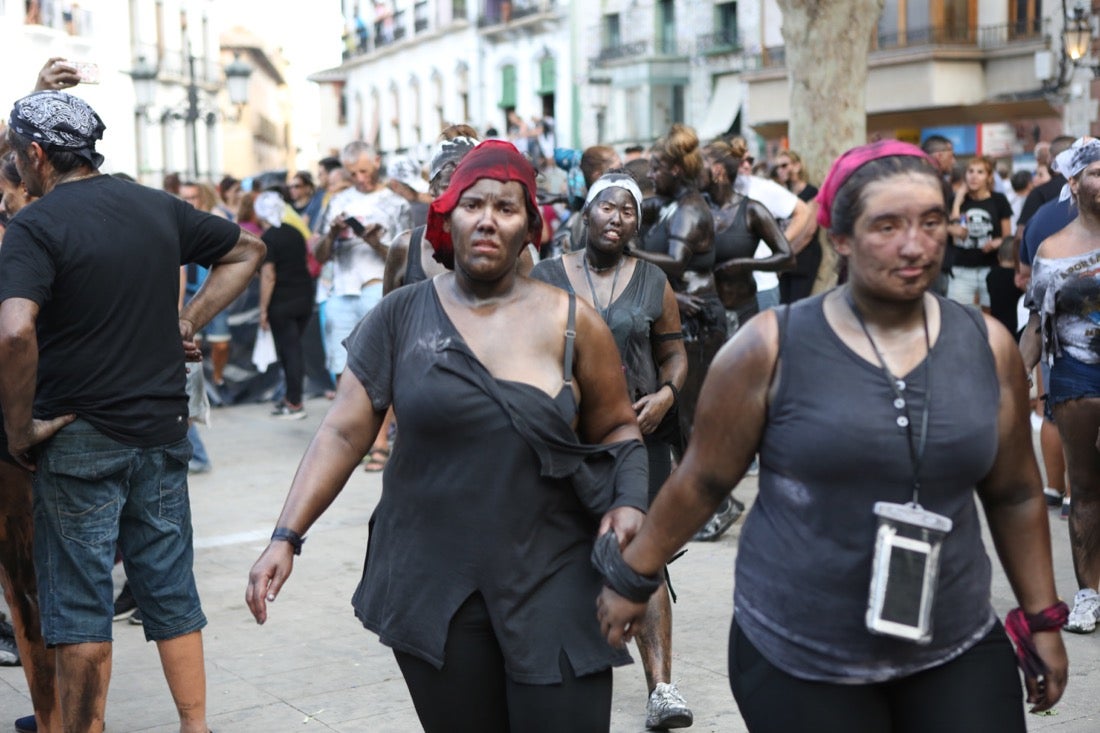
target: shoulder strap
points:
(570, 338)
(414, 269)
(783, 320)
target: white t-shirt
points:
(354, 262)
(781, 203)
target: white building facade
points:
(412, 70)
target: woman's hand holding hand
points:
(624, 521)
(267, 577)
(1044, 695)
(652, 408)
(619, 618)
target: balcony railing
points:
(609, 54)
(497, 12)
(977, 37)
(721, 42)
(996, 36)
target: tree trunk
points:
(827, 42)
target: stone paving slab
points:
(312, 667)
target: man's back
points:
(101, 258)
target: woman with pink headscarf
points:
(518, 448)
(862, 590)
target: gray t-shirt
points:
(1065, 291)
(831, 448)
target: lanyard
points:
(592, 288)
(897, 385)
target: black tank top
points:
(735, 241)
(655, 239)
(414, 267)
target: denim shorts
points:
(217, 331)
(342, 314)
(1071, 379)
(90, 491)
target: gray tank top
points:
(831, 448)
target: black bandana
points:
(59, 121)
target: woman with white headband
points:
(1064, 298)
(638, 304)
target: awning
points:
(725, 103)
(990, 111)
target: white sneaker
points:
(1085, 613)
(667, 708)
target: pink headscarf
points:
(496, 159)
(851, 161)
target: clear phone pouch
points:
(905, 571)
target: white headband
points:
(615, 180)
(1083, 153)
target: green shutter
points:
(548, 76)
(508, 87)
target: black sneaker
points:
(9, 650)
(136, 619)
(125, 605)
(1053, 497)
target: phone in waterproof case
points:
(905, 571)
(87, 71)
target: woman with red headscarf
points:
(862, 591)
(518, 448)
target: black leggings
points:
(978, 692)
(287, 333)
(473, 693)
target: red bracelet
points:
(1020, 626)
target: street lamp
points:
(145, 78)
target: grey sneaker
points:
(667, 708)
(1085, 613)
(728, 512)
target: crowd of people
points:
(563, 362)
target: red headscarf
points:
(495, 159)
(851, 161)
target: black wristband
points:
(675, 392)
(288, 535)
(617, 575)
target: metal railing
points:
(621, 51)
(997, 36)
(718, 42)
(978, 37)
(506, 11)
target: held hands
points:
(1044, 693)
(266, 578)
(624, 521)
(619, 618)
(652, 408)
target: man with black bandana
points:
(87, 272)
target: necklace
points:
(592, 287)
(897, 386)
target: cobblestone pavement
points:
(312, 667)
